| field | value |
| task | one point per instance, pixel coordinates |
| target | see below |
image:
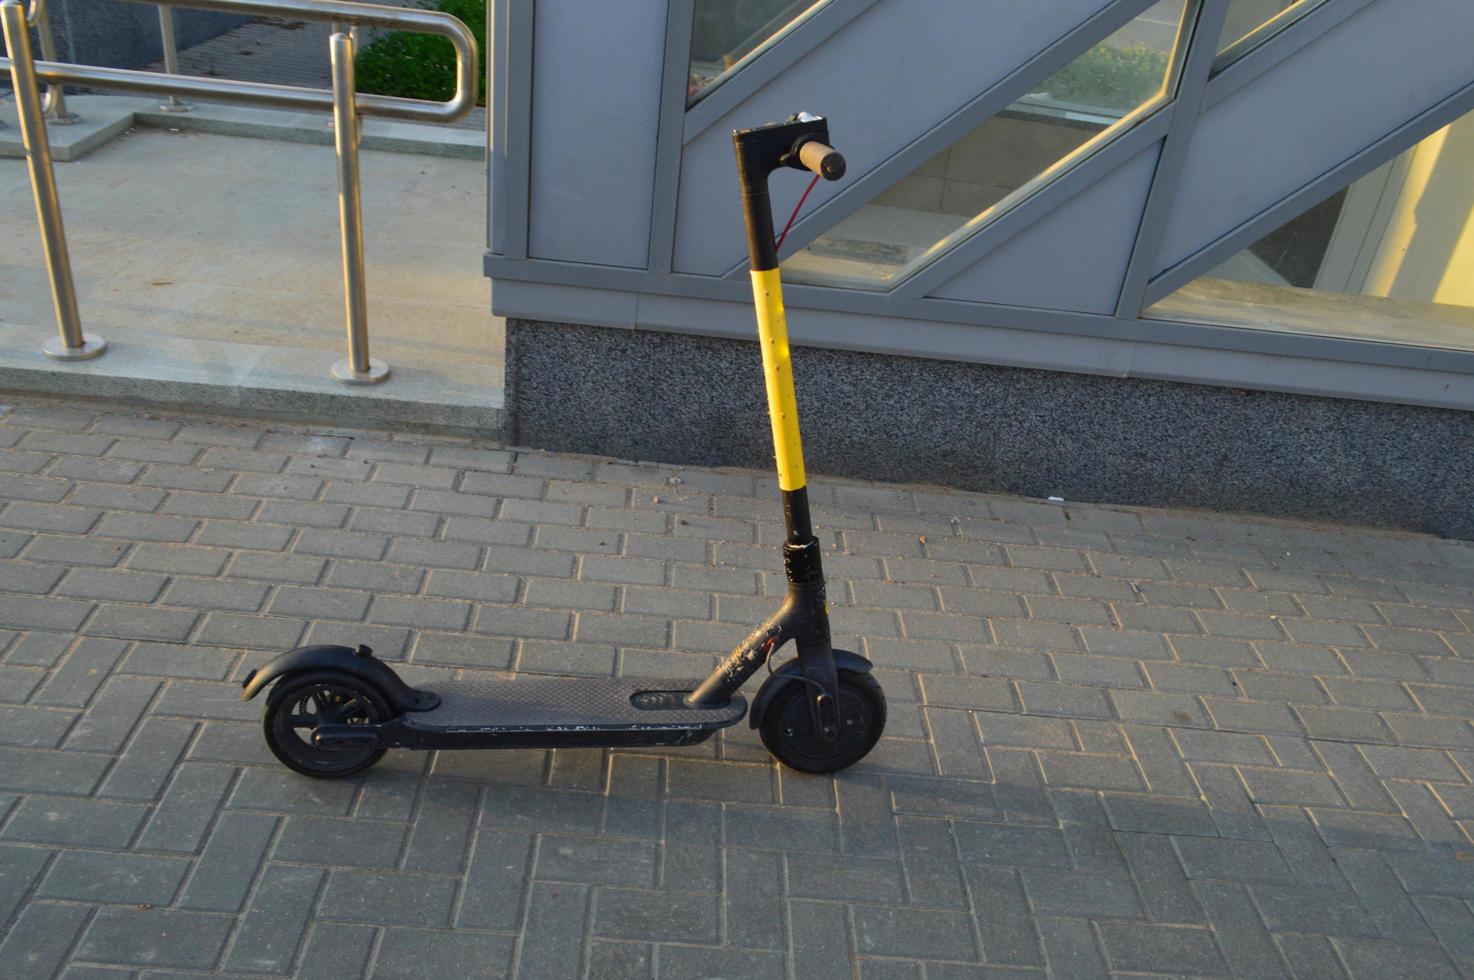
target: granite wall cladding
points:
(679, 398)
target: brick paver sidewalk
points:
(1120, 740)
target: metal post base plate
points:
(179, 106)
(378, 371)
(63, 119)
(92, 345)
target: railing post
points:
(55, 106)
(171, 59)
(71, 344)
(357, 367)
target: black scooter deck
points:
(555, 711)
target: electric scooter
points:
(334, 711)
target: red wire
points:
(796, 208)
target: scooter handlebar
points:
(821, 159)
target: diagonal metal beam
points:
(991, 101)
(1343, 175)
(1197, 44)
(1070, 179)
(1245, 60)
(769, 61)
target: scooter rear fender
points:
(360, 663)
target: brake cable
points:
(796, 208)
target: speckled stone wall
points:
(685, 399)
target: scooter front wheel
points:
(788, 731)
(299, 703)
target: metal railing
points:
(346, 107)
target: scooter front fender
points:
(360, 663)
(789, 673)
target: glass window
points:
(726, 33)
(1390, 258)
(962, 188)
(1247, 16)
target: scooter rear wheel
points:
(299, 704)
(788, 731)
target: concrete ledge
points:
(141, 367)
(101, 118)
(681, 398)
(307, 127)
(105, 116)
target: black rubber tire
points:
(331, 687)
(787, 728)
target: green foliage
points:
(422, 66)
(1110, 77)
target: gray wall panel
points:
(1339, 94)
(596, 102)
(1074, 258)
(890, 75)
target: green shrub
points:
(422, 66)
(1110, 77)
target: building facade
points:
(1211, 253)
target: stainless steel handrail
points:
(55, 106)
(345, 105)
(295, 96)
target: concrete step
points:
(141, 367)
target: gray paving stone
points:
(274, 925)
(30, 576)
(388, 898)
(36, 612)
(624, 913)
(407, 953)
(93, 876)
(1282, 786)
(34, 727)
(1314, 911)
(1345, 724)
(913, 932)
(334, 950)
(106, 725)
(492, 897)
(1379, 958)
(1382, 895)
(39, 649)
(50, 771)
(252, 632)
(1005, 844)
(339, 843)
(20, 866)
(442, 828)
(1160, 948)
(149, 759)
(207, 594)
(74, 822)
(1075, 894)
(1071, 948)
(823, 953)
(183, 816)
(1245, 943)
(155, 937)
(112, 497)
(38, 942)
(1045, 698)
